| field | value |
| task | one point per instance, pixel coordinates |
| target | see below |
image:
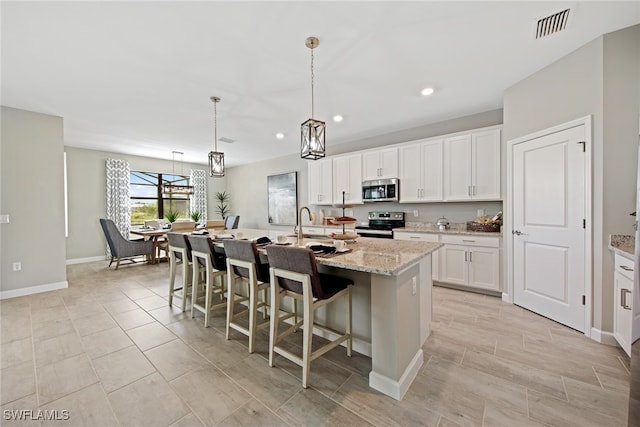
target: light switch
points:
(4, 218)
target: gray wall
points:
(248, 184)
(599, 79)
(33, 195)
(86, 195)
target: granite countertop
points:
(455, 228)
(622, 244)
(387, 257)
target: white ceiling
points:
(136, 77)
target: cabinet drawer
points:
(624, 266)
(470, 240)
(419, 237)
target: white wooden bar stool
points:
(243, 262)
(205, 256)
(179, 253)
(294, 273)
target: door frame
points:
(508, 213)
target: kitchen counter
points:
(453, 229)
(622, 244)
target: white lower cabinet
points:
(423, 237)
(623, 308)
(470, 260)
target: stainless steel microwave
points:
(382, 190)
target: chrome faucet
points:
(300, 234)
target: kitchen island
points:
(391, 304)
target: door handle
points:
(623, 298)
(518, 233)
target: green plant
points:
(196, 215)
(223, 203)
(171, 216)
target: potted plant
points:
(171, 216)
(196, 216)
(223, 203)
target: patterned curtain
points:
(199, 197)
(118, 201)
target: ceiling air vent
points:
(552, 24)
(227, 140)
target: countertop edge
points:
(449, 231)
(624, 251)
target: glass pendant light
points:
(216, 158)
(312, 131)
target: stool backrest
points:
(299, 260)
(246, 250)
(183, 226)
(205, 245)
(179, 240)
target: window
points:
(148, 201)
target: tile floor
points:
(110, 352)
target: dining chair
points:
(179, 253)
(123, 249)
(243, 264)
(208, 257)
(231, 222)
(294, 273)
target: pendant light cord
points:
(215, 125)
(312, 82)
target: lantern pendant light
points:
(312, 131)
(216, 158)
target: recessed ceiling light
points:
(337, 118)
(280, 135)
(427, 91)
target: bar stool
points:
(294, 273)
(243, 262)
(209, 257)
(179, 253)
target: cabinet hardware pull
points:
(470, 254)
(623, 298)
(625, 268)
(473, 190)
(414, 237)
(418, 193)
(465, 256)
(470, 241)
(469, 190)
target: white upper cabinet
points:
(421, 172)
(320, 182)
(472, 166)
(380, 164)
(347, 177)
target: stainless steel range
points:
(381, 224)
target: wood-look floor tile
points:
(133, 318)
(149, 401)
(211, 394)
(87, 407)
(175, 358)
(13, 414)
(536, 379)
(378, 409)
(189, 420)
(310, 407)
(150, 335)
(595, 398)
(105, 342)
(556, 412)
(252, 412)
(616, 379)
(64, 377)
(122, 367)
(17, 381)
(442, 345)
(446, 422)
(499, 416)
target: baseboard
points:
(88, 259)
(13, 293)
(603, 337)
(397, 389)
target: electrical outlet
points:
(416, 213)
(414, 286)
(17, 266)
(4, 219)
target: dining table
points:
(155, 235)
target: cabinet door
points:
(484, 268)
(347, 177)
(453, 264)
(371, 165)
(457, 168)
(622, 320)
(485, 165)
(432, 158)
(389, 163)
(411, 173)
(320, 182)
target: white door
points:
(549, 234)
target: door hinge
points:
(584, 146)
(584, 223)
(583, 300)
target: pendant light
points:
(312, 131)
(171, 187)
(216, 158)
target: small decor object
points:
(485, 224)
(216, 158)
(196, 216)
(312, 131)
(172, 216)
(223, 203)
